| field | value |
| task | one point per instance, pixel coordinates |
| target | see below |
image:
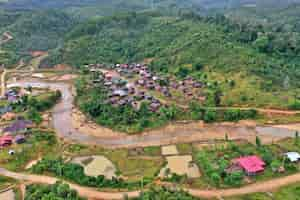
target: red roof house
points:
(251, 164)
(6, 140)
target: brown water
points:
(275, 131)
(62, 122)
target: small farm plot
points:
(169, 150)
(181, 165)
(96, 165)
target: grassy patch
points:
(214, 160)
(184, 148)
(38, 143)
(133, 167)
(290, 145)
(5, 182)
(255, 196)
(152, 151)
(291, 192)
(278, 119)
(3, 103)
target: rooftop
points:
(18, 126)
(251, 164)
(293, 156)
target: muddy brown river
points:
(62, 123)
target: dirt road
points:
(92, 193)
(7, 37)
(3, 75)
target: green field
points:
(38, 144)
(290, 192)
(132, 166)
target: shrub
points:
(55, 191)
(34, 116)
(165, 194)
(237, 114)
(295, 105)
(232, 115)
(234, 178)
(210, 116)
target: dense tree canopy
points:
(57, 191)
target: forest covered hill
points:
(32, 31)
(210, 49)
(258, 51)
(46, 4)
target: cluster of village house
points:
(15, 132)
(12, 96)
(129, 83)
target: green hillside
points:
(33, 31)
(46, 4)
(92, 8)
(182, 46)
(40, 30)
(8, 18)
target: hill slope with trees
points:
(242, 62)
(33, 31)
(42, 4)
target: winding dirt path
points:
(92, 193)
(3, 75)
(7, 37)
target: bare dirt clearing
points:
(65, 77)
(96, 165)
(7, 195)
(169, 150)
(181, 165)
(32, 163)
(82, 124)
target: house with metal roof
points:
(5, 109)
(6, 140)
(19, 139)
(251, 164)
(19, 126)
(293, 156)
(120, 93)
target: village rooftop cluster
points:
(16, 131)
(129, 84)
(14, 96)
